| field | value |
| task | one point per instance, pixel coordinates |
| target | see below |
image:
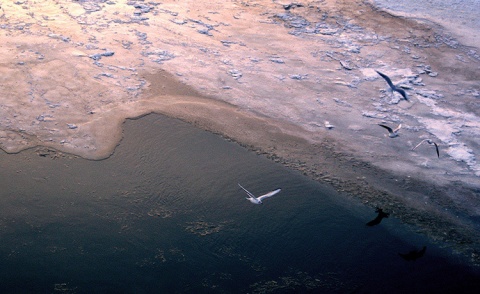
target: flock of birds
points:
(392, 133)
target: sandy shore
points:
(272, 76)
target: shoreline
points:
(340, 170)
(271, 100)
(168, 199)
(464, 28)
(351, 178)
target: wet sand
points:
(73, 72)
(164, 214)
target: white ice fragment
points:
(328, 125)
(277, 60)
(235, 73)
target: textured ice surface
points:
(72, 71)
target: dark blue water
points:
(164, 214)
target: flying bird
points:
(392, 133)
(414, 254)
(392, 86)
(258, 200)
(430, 142)
(379, 217)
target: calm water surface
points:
(164, 214)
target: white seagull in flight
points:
(258, 200)
(430, 142)
(392, 133)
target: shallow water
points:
(164, 214)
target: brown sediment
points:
(329, 161)
(268, 86)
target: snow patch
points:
(458, 150)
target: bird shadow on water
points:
(165, 213)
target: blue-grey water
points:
(164, 214)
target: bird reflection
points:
(414, 254)
(379, 217)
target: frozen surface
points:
(295, 81)
(460, 16)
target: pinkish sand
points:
(293, 81)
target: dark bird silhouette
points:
(379, 217)
(392, 86)
(430, 142)
(414, 254)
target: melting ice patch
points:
(458, 150)
(448, 126)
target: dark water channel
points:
(164, 214)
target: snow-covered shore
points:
(294, 81)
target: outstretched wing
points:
(389, 82)
(436, 148)
(246, 191)
(398, 128)
(430, 142)
(387, 127)
(420, 144)
(269, 194)
(422, 252)
(402, 92)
